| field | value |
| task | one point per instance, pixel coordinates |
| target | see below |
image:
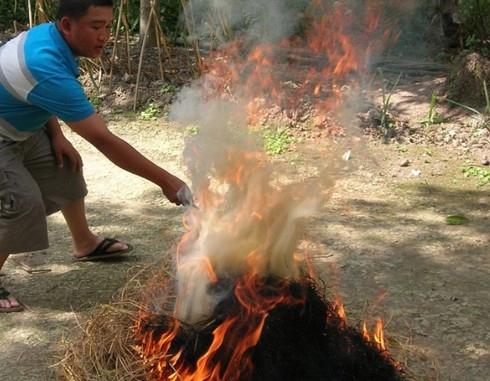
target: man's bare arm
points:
(94, 130)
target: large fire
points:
(244, 304)
(307, 71)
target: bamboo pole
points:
(161, 40)
(31, 18)
(194, 42)
(116, 38)
(140, 63)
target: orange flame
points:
(241, 236)
(226, 358)
(334, 51)
(339, 306)
(377, 336)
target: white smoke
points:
(252, 20)
(246, 221)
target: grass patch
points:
(482, 174)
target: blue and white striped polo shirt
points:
(38, 79)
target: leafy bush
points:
(11, 11)
(476, 15)
(17, 10)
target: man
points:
(40, 171)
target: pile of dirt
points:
(468, 80)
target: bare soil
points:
(382, 232)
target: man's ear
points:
(65, 25)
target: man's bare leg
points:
(10, 302)
(84, 241)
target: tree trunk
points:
(450, 22)
(147, 22)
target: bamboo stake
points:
(31, 18)
(158, 36)
(116, 37)
(140, 64)
(162, 39)
(128, 44)
(194, 43)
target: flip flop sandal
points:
(101, 253)
(4, 294)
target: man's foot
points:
(106, 248)
(89, 244)
(8, 303)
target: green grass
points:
(276, 140)
(385, 122)
(433, 117)
(149, 113)
(482, 174)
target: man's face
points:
(88, 35)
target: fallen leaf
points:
(457, 220)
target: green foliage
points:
(464, 106)
(457, 220)
(487, 98)
(95, 101)
(170, 11)
(385, 122)
(401, 148)
(169, 88)
(11, 11)
(132, 14)
(487, 108)
(433, 117)
(149, 113)
(249, 20)
(474, 44)
(276, 140)
(191, 129)
(482, 174)
(476, 16)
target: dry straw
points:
(102, 346)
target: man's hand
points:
(177, 191)
(185, 197)
(63, 148)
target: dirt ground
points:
(383, 231)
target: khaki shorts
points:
(32, 187)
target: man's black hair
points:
(75, 9)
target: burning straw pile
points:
(237, 302)
(287, 330)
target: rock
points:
(416, 172)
